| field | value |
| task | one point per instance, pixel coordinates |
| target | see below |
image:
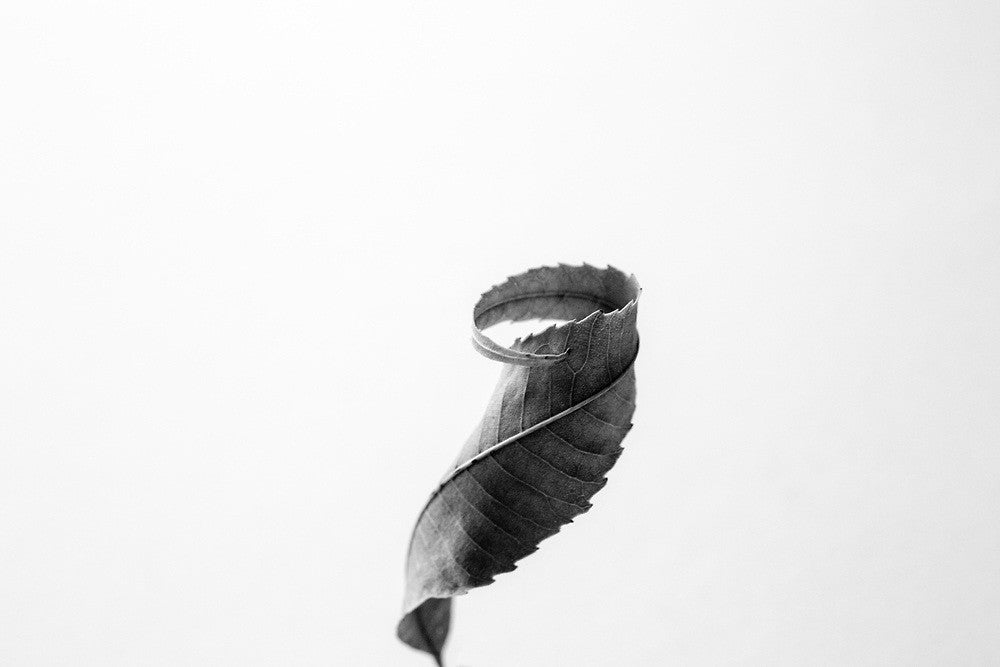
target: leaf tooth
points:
(624, 310)
(532, 336)
(512, 279)
(596, 313)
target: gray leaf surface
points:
(552, 430)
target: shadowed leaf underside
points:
(552, 430)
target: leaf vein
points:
(461, 494)
(508, 507)
(534, 488)
(447, 549)
(546, 462)
(579, 449)
(461, 526)
(588, 412)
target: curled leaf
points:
(552, 430)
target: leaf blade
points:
(539, 454)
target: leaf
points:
(552, 430)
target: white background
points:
(239, 248)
